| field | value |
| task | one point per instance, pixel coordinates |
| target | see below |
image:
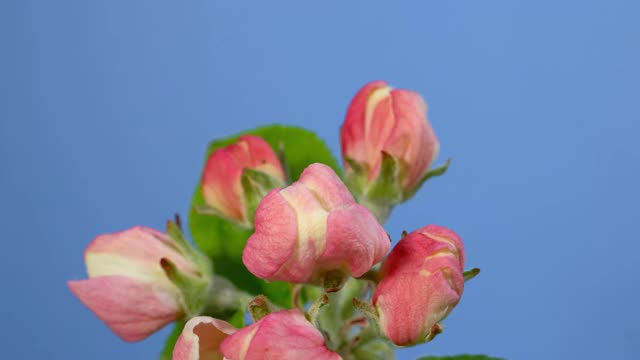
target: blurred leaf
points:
(167, 352)
(459, 357)
(223, 240)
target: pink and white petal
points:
(283, 335)
(353, 140)
(326, 186)
(221, 187)
(274, 239)
(131, 309)
(412, 139)
(355, 240)
(201, 339)
(443, 234)
(380, 123)
(409, 304)
(262, 157)
(236, 346)
(138, 248)
(311, 219)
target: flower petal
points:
(133, 310)
(201, 339)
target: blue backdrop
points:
(106, 108)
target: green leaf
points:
(167, 352)
(223, 240)
(460, 357)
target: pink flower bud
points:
(382, 119)
(222, 186)
(283, 335)
(422, 281)
(312, 231)
(127, 288)
(201, 339)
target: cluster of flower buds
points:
(388, 146)
(350, 301)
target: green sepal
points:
(255, 185)
(357, 176)
(386, 189)
(366, 308)
(260, 307)
(333, 280)
(199, 259)
(436, 330)
(280, 153)
(470, 274)
(435, 172)
(193, 290)
(384, 192)
(314, 310)
(179, 240)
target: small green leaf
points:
(223, 240)
(460, 357)
(167, 352)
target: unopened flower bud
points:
(282, 335)
(314, 232)
(421, 283)
(387, 144)
(236, 177)
(128, 287)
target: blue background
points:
(107, 106)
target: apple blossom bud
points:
(236, 177)
(387, 143)
(421, 283)
(314, 232)
(282, 335)
(201, 339)
(128, 286)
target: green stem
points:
(224, 298)
(381, 212)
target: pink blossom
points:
(201, 339)
(127, 288)
(382, 119)
(283, 335)
(422, 281)
(313, 230)
(222, 187)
